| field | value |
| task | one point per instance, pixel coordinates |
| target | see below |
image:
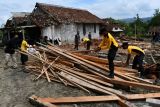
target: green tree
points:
(138, 26)
(155, 21)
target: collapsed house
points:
(20, 24)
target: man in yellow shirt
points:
(87, 41)
(24, 46)
(138, 59)
(110, 43)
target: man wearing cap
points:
(110, 43)
(138, 59)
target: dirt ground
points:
(16, 86)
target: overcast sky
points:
(117, 9)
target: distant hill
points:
(130, 20)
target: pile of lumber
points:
(59, 65)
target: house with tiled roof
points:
(64, 22)
(53, 21)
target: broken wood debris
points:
(88, 75)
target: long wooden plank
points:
(92, 58)
(140, 79)
(82, 99)
(142, 96)
(136, 84)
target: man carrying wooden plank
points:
(110, 43)
(138, 59)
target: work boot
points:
(141, 76)
(111, 75)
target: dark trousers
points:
(88, 45)
(76, 46)
(138, 64)
(111, 55)
(24, 58)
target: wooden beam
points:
(92, 58)
(142, 96)
(140, 79)
(136, 84)
(82, 99)
(88, 99)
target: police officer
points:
(138, 59)
(110, 43)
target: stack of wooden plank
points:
(84, 72)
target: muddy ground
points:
(16, 86)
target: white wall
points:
(68, 31)
(48, 31)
